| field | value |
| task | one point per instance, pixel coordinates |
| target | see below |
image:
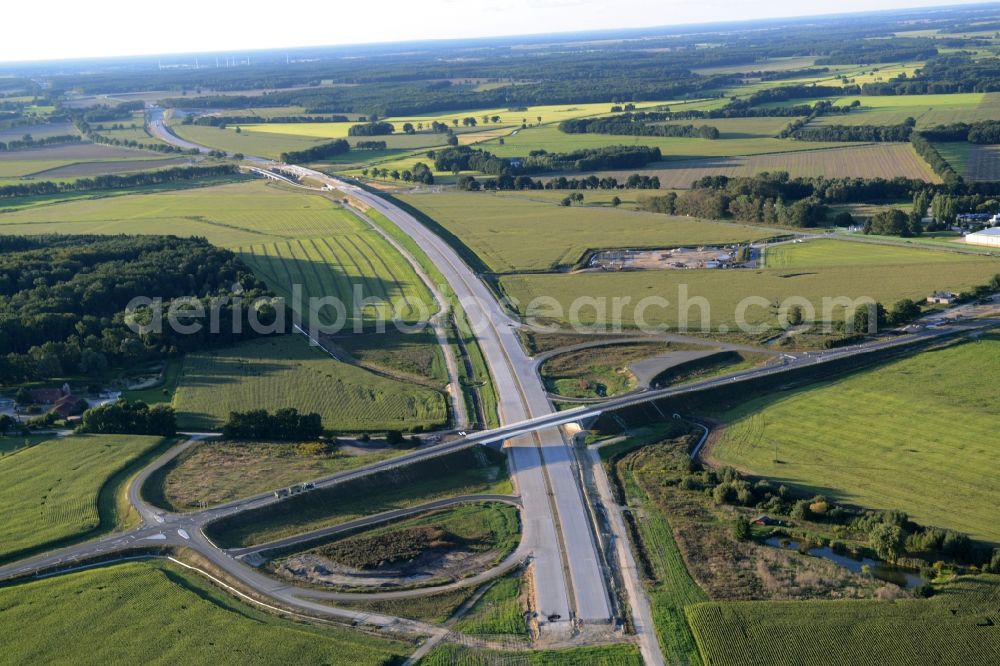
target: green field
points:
(100, 158)
(285, 371)
(955, 626)
(826, 253)
(927, 110)
(468, 472)
(261, 144)
(59, 489)
(214, 472)
(598, 371)
(499, 611)
(415, 356)
(153, 613)
(368, 278)
(917, 435)
(845, 271)
(971, 161)
(227, 215)
(513, 234)
(875, 160)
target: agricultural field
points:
(548, 137)
(367, 277)
(825, 253)
(228, 215)
(469, 472)
(260, 144)
(953, 627)
(117, 614)
(973, 162)
(927, 110)
(514, 234)
(916, 435)
(39, 131)
(853, 275)
(214, 472)
(874, 160)
(91, 158)
(60, 489)
(286, 371)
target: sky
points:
(58, 29)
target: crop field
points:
(927, 110)
(480, 528)
(18, 163)
(972, 161)
(548, 137)
(469, 472)
(513, 234)
(262, 144)
(605, 655)
(227, 215)
(952, 627)
(214, 472)
(40, 131)
(725, 289)
(117, 615)
(885, 160)
(823, 253)
(285, 371)
(499, 611)
(359, 268)
(917, 435)
(50, 491)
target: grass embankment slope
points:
(510, 234)
(153, 613)
(285, 371)
(59, 489)
(833, 269)
(917, 435)
(468, 472)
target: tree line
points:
(871, 133)
(284, 425)
(509, 182)
(464, 158)
(984, 132)
(28, 142)
(63, 300)
(635, 124)
(420, 173)
(130, 418)
(320, 152)
(374, 128)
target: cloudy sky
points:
(45, 29)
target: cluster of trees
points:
(320, 152)
(637, 124)
(99, 114)
(370, 145)
(753, 209)
(284, 425)
(420, 173)
(985, 132)
(953, 73)
(130, 418)
(894, 222)
(464, 158)
(946, 207)
(778, 184)
(509, 182)
(873, 133)
(118, 182)
(63, 300)
(28, 142)
(898, 49)
(224, 121)
(374, 128)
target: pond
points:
(902, 577)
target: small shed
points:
(942, 298)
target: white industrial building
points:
(988, 237)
